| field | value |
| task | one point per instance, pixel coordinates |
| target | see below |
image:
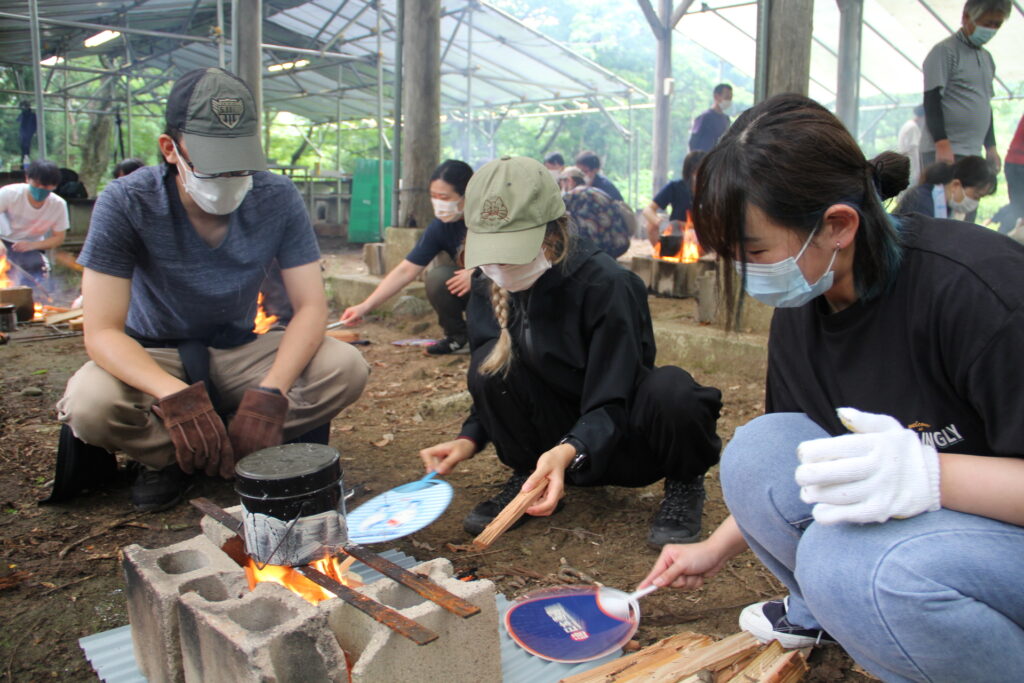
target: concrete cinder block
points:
(643, 266)
(467, 650)
(155, 580)
(269, 634)
(373, 257)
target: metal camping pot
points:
(292, 502)
(670, 245)
(8, 318)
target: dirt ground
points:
(61, 579)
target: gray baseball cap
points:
(216, 113)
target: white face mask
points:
(965, 205)
(517, 278)
(554, 174)
(725, 106)
(217, 196)
(447, 212)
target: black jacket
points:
(587, 333)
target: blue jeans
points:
(937, 597)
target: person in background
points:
(447, 285)
(950, 190)
(596, 216)
(677, 194)
(882, 486)
(33, 219)
(562, 370)
(1014, 171)
(26, 130)
(958, 75)
(174, 260)
(908, 143)
(710, 125)
(590, 164)
(127, 166)
(555, 163)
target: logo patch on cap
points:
(228, 110)
(494, 210)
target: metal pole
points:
(248, 49)
(764, 11)
(469, 86)
(662, 98)
(128, 95)
(851, 16)
(380, 124)
(629, 151)
(37, 75)
(234, 37)
(396, 144)
(220, 34)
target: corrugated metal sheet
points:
(896, 37)
(510, 63)
(110, 652)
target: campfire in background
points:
(299, 584)
(678, 243)
(263, 322)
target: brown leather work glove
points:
(259, 421)
(197, 432)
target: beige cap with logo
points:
(509, 203)
(216, 113)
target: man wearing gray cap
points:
(173, 262)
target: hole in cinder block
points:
(399, 597)
(296, 660)
(209, 588)
(261, 614)
(183, 561)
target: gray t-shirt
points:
(965, 74)
(181, 287)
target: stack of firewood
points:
(695, 658)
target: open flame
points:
(297, 583)
(263, 322)
(689, 252)
(5, 281)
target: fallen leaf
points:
(385, 440)
(422, 546)
(346, 428)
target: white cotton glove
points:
(880, 471)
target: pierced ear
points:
(843, 221)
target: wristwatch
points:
(581, 460)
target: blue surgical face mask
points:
(782, 284)
(38, 193)
(981, 35)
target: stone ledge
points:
(349, 290)
(708, 350)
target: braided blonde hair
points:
(556, 248)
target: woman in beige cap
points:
(562, 372)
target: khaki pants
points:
(104, 411)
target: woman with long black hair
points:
(883, 486)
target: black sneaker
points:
(678, 520)
(767, 621)
(155, 490)
(482, 515)
(448, 345)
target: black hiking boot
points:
(156, 490)
(678, 520)
(482, 515)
